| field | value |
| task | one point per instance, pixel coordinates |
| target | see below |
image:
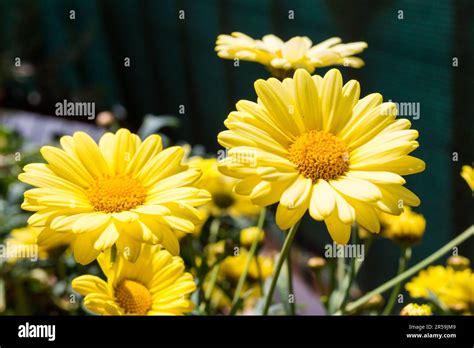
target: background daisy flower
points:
(298, 52)
(233, 266)
(453, 288)
(413, 309)
(309, 143)
(407, 228)
(27, 238)
(155, 284)
(224, 201)
(120, 192)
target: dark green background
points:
(173, 63)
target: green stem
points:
(243, 276)
(212, 282)
(290, 285)
(347, 284)
(341, 268)
(408, 273)
(281, 259)
(248, 262)
(355, 264)
(402, 263)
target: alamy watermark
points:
(18, 251)
(246, 158)
(406, 109)
(68, 108)
(346, 251)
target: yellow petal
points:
(322, 200)
(91, 222)
(357, 188)
(285, 218)
(87, 284)
(331, 94)
(107, 238)
(83, 247)
(307, 99)
(339, 231)
(298, 193)
(90, 155)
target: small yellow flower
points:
(155, 284)
(468, 174)
(224, 201)
(298, 52)
(25, 242)
(121, 192)
(458, 262)
(413, 309)
(250, 234)
(407, 228)
(233, 266)
(310, 144)
(453, 288)
(316, 263)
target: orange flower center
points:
(319, 155)
(133, 297)
(116, 194)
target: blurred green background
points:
(173, 64)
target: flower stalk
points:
(252, 251)
(408, 273)
(281, 259)
(402, 263)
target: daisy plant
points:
(311, 144)
(121, 192)
(175, 233)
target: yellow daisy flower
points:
(250, 234)
(453, 288)
(468, 174)
(120, 192)
(413, 309)
(407, 228)
(155, 284)
(233, 266)
(224, 201)
(298, 52)
(25, 241)
(22, 244)
(311, 144)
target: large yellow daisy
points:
(155, 284)
(298, 52)
(309, 143)
(120, 192)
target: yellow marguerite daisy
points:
(453, 288)
(467, 174)
(122, 191)
(309, 143)
(224, 200)
(298, 52)
(250, 234)
(232, 267)
(407, 228)
(413, 309)
(155, 284)
(25, 240)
